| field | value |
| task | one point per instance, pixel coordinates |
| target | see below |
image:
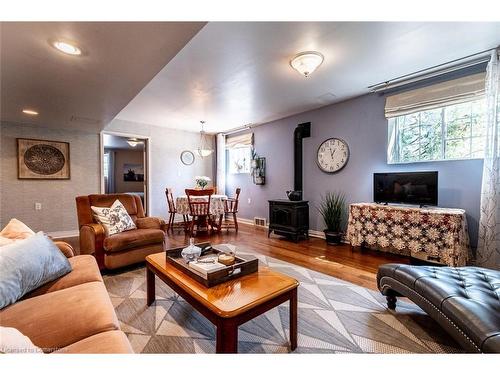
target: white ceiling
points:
(117, 142)
(119, 59)
(232, 74)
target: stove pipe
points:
(301, 131)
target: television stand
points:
(435, 235)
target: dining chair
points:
(199, 209)
(231, 208)
(172, 211)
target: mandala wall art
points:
(42, 160)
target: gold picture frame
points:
(39, 159)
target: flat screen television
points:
(407, 187)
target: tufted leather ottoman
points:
(464, 301)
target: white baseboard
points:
(74, 233)
(312, 232)
(63, 234)
(247, 221)
(316, 233)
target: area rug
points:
(334, 316)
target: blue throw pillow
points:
(28, 264)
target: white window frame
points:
(394, 146)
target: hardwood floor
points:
(358, 266)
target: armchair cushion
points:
(132, 239)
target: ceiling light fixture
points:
(204, 149)
(30, 112)
(133, 142)
(67, 48)
(306, 62)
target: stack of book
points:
(205, 265)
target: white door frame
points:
(147, 163)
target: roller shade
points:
(242, 140)
(455, 91)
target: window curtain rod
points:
(238, 129)
(434, 71)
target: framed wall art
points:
(39, 159)
(133, 172)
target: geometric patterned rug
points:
(334, 316)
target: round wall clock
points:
(333, 155)
(187, 157)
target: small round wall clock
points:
(187, 157)
(333, 155)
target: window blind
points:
(455, 91)
(243, 140)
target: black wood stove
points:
(289, 217)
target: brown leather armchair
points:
(123, 248)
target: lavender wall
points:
(362, 124)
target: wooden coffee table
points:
(230, 304)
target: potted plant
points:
(333, 209)
(202, 181)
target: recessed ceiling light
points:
(67, 48)
(30, 112)
(306, 62)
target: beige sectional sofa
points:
(72, 314)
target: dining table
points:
(217, 206)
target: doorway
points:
(125, 165)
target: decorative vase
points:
(192, 252)
(201, 182)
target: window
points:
(239, 159)
(239, 153)
(106, 165)
(450, 132)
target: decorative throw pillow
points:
(5, 241)
(114, 219)
(16, 230)
(13, 341)
(27, 265)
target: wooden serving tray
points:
(242, 266)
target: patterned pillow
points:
(114, 219)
